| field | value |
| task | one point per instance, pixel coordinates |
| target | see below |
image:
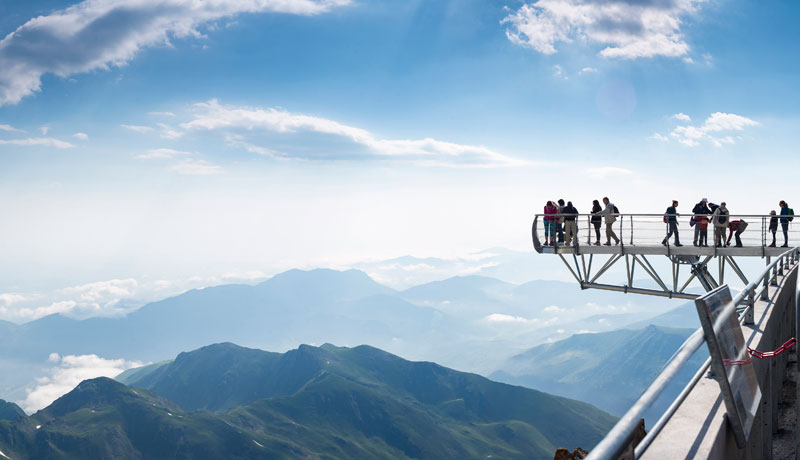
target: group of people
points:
(560, 223)
(705, 212)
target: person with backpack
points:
(671, 219)
(699, 210)
(570, 227)
(610, 213)
(789, 216)
(720, 219)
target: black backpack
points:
(790, 214)
(616, 211)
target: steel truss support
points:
(581, 270)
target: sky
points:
(149, 145)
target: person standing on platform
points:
(570, 228)
(550, 211)
(700, 209)
(701, 222)
(560, 221)
(596, 220)
(671, 218)
(789, 215)
(720, 219)
(610, 214)
(773, 226)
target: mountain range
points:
(226, 401)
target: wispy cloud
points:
(682, 117)
(503, 318)
(162, 154)
(137, 128)
(98, 34)
(212, 116)
(190, 167)
(629, 29)
(11, 129)
(605, 172)
(81, 136)
(37, 142)
(70, 371)
(587, 70)
(161, 114)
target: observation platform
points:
(639, 236)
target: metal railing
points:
(618, 440)
(643, 229)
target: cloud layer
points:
(98, 34)
(629, 29)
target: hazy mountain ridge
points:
(609, 370)
(323, 402)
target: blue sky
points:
(163, 140)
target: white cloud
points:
(81, 136)
(559, 72)
(213, 116)
(137, 128)
(37, 142)
(553, 309)
(682, 117)
(659, 137)
(503, 318)
(161, 114)
(717, 123)
(101, 298)
(586, 70)
(196, 168)
(605, 172)
(161, 153)
(10, 128)
(167, 132)
(628, 29)
(98, 34)
(44, 130)
(71, 371)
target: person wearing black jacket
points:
(671, 218)
(699, 209)
(570, 229)
(596, 220)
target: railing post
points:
(749, 315)
(765, 288)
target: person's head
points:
(595, 203)
(561, 202)
(674, 203)
(772, 213)
(605, 200)
(722, 205)
(783, 204)
(704, 201)
(549, 203)
(569, 203)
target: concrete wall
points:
(699, 429)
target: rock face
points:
(564, 454)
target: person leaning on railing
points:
(700, 210)
(720, 219)
(570, 228)
(550, 211)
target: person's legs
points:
(610, 233)
(597, 232)
(785, 228)
(560, 232)
(703, 240)
(774, 232)
(696, 234)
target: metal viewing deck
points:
(643, 235)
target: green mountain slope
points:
(10, 411)
(313, 402)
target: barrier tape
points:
(762, 354)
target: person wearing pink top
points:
(550, 211)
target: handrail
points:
(614, 444)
